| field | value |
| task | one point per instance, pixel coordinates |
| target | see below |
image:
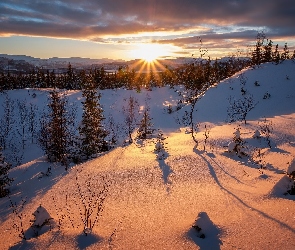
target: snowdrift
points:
(137, 197)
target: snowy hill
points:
(183, 196)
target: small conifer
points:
(4, 179)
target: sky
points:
(130, 29)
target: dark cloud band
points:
(96, 18)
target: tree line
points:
(124, 77)
(265, 51)
(191, 74)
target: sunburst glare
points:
(149, 52)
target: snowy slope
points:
(238, 202)
(277, 80)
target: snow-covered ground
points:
(234, 201)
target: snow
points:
(231, 146)
(256, 134)
(41, 217)
(239, 202)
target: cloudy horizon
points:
(100, 28)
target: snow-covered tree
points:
(130, 111)
(160, 148)
(146, 126)
(92, 131)
(4, 179)
(266, 129)
(41, 217)
(237, 144)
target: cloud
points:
(98, 19)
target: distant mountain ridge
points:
(77, 60)
(23, 63)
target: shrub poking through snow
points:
(206, 134)
(256, 83)
(45, 174)
(257, 134)
(266, 96)
(266, 129)
(237, 144)
(237, 135)
(18, 217)
(200, 234)
(160, 146)
(92, 202)
(169, 109)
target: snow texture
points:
(238, 201)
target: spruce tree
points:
(276, 55)
(4, 179)
(146, 126)
(285, 54)
(55, 136)
(267, 56)
(91, 130)
(257, 53)
(6, 121)
(70, 77)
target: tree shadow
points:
(86, 241)
(214, 176)
(212, 156)
(30, 180)
(22, 245)
(166, 171)
(204, 233)
(251, 163)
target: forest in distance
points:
(198, 71)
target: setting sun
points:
(149, 52)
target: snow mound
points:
(282, 186)
(204, 233)
(42, 217)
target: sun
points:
(148, 52)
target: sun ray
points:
(149, 51)
(148, 64)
